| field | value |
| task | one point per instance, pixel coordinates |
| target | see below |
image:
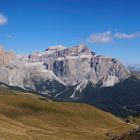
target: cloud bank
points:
(126, 36)
(107, 37)
(3, 20)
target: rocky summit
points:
(55, 70)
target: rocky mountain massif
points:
(69, 74)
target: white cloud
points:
(104, 37)
(3, 19)
(126, 36)
(108, 36)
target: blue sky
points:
(108, 27)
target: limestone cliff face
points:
(6, 57)
(1, 55)
(51, 72)
(73, 65)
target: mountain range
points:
(73, 74)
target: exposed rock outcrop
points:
(6, 57)
(54, 70)
(73, 65)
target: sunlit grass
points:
(25, 116)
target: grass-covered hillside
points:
(28, 117)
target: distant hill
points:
(135, 67)
(26, 116)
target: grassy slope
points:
(24, 116)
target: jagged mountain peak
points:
(71, 51)
(55, 52)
